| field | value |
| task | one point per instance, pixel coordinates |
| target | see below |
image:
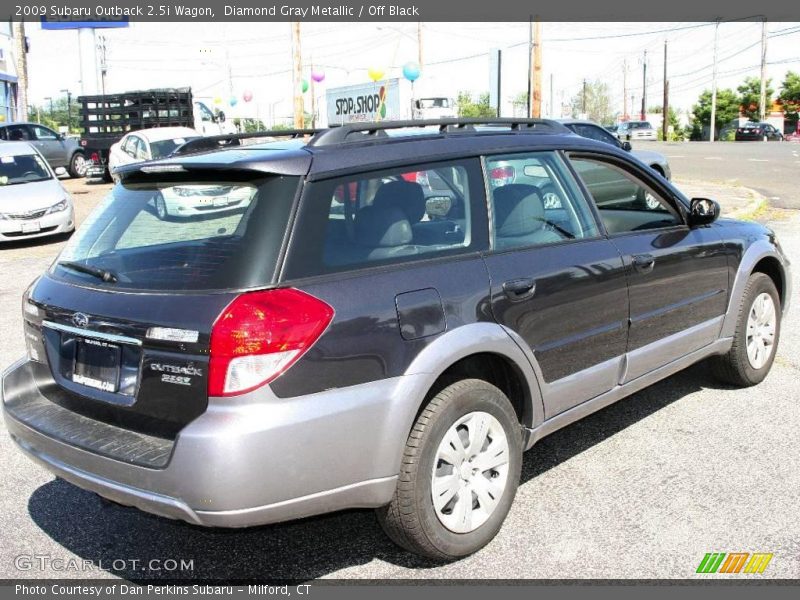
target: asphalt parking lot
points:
(642, 489)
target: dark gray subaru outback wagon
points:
(378, 315)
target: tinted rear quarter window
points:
(404, 214)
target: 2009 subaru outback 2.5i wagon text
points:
(375, 322)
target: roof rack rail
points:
(339, 134)
(218, 142)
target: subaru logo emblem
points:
(80, 320)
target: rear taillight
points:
(260, 335)
(95, 157)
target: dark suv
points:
(381, 322)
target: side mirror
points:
(221, 117)
(59, 171)
(703, 211)
(627, 146)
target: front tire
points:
(758, 328)
(161, 208)
(459, 474)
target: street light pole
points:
(69, 108)
(50, 99)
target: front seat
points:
(409, 197)
(383, 232)
(519, 217)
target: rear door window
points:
(200, 234)
(398, 215)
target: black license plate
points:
(97, 365)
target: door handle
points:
(644, 263)
(519, 289)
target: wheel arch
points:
(760, 257)
(482, 351)
(771, 266)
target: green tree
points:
(750, 97)
(519, 104)
(727, 110)
(790, 95)
(468, 107)
(596, 105)
(58, 116)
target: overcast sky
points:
(455, 58)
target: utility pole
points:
(714, 86)
(50, 99)
(762, 104)
(103, 65)
(625, 90)
(552, 111)
(644, 87)
(536, 97)
(314, 97)
(21, 51)
(583, 100)
(665, 105)
(530, 67)
(420, 55)
(297, 77)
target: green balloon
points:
(305, 85)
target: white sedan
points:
(198, 200)
(33, 202)
(148, 144)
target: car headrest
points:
(405, 195)
(518, 209)
(382, 227)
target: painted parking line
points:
(758, 159)
(712, 157)
(675, 156)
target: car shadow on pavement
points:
(113, 536)
(36, 242)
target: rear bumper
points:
(258, 460)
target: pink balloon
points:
(318, 76)
(247, 96)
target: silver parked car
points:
(56, 148)
(33, 202)
(589, 129)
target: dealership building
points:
(8, 75)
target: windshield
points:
(24, 168)
(167, 147)
(434, 103)
(641, 125)
(200, 234)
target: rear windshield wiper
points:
(106, 276)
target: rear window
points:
(197, 235)
(641, 125)
(167, 147)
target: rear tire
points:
(758, 328)
(467, 444)
(77, 165)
